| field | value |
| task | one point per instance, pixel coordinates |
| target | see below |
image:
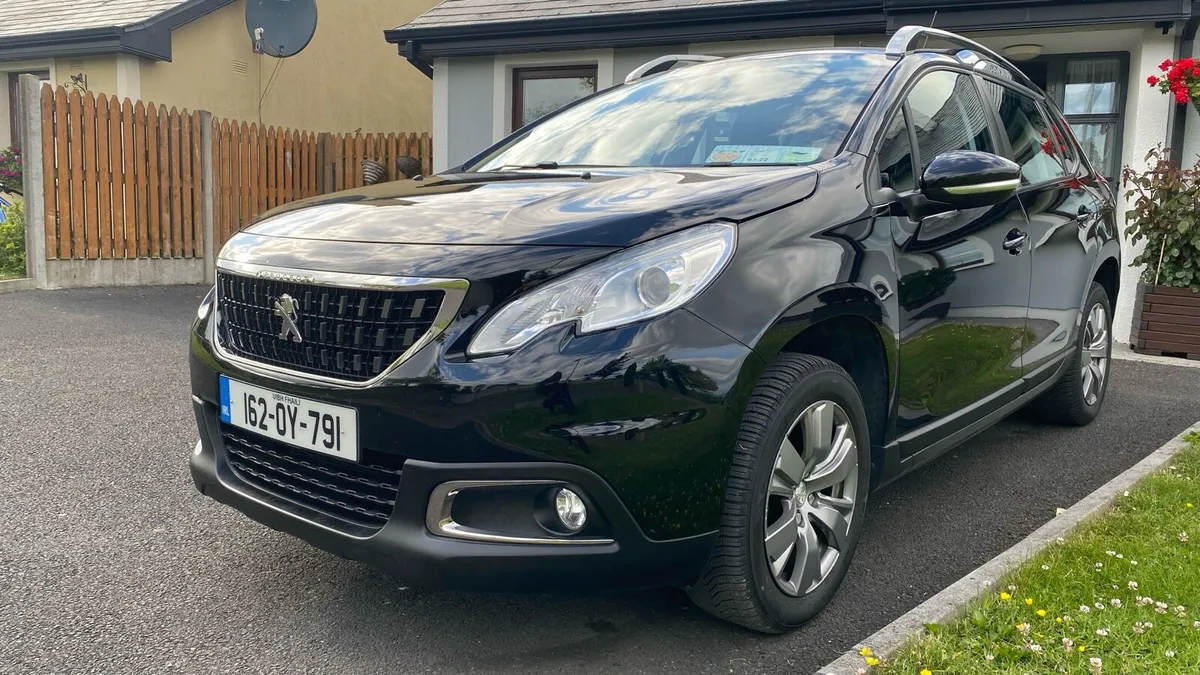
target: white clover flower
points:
(1116, 602)
(1102, 632)
(1132, 585)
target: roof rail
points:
(664, 63)
(904, 39)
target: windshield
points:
(792, 108)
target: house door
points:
(14, 103)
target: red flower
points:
(1181, 97)
(1174, 73)
(1152, 81)
(1164, 65)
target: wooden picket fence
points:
(125, 179)
(121, 179)
(257, 169)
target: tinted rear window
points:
(769, 109)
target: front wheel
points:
(794, 500)
(1076, 398)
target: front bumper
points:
(407, 548)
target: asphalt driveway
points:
(111, 562)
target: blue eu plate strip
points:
(225, 399)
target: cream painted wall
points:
(348, 78)
(101, 72)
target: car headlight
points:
(638, 283)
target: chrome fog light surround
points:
(439, 521)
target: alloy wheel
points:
(1095, 354)
(811, 498)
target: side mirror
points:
(964, 179)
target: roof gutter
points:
(786, 18)
(150, 39)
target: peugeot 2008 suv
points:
(671, 334)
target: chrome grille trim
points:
(454, 289)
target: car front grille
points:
(345, 333)
(358, 497)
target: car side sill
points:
(896, 467)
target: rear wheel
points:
(794, 500)
(1076, 398)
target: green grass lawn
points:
(1120, 595)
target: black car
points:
(672, 334)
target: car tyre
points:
(804, 409)
(1076, 398)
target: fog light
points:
(572, 512)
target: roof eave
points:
(768, 20)
(642, 28)
(150, 39)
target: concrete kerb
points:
(14, 285)
(950, 604)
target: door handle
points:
(1014, 241)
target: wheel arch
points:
(849, 325)
(1108, 275)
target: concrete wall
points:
(469, 110)
(348, 77)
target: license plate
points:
(304, 423)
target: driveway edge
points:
(950, 603)
(14, 285)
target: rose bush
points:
(10, 170)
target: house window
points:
(1089, 89)
(14, 105)
(540, 91)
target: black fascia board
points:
(645, 28)
(149, 39)
(791, 18)
(997, 16)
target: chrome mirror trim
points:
(984, 188)
(439, 521)
(455, 290)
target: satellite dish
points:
(281, 28)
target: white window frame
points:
(502, 78)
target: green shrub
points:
(12, 242)
(1166, 213)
